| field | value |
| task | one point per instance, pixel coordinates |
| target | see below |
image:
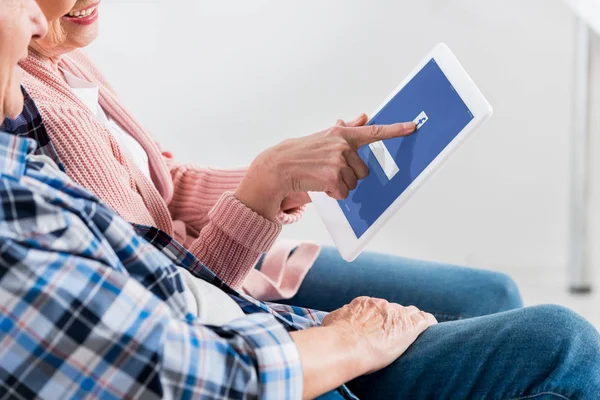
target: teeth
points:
(82, 14)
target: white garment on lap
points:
(210, 303)
(87, 92)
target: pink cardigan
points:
(194, 204)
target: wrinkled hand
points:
(383, 331)
(326, 161)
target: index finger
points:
(363, 135)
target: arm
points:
(227, 236)
(197, 189)
(360, 338)
(329, 359)
(98, 332)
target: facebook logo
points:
(421, 119)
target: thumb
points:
(361, 120)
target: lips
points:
(85, 16)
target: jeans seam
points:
(453, 317)
(540, 394)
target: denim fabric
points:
(541, 353)
(486, 346)
(448, 292)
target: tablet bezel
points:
(330, 211)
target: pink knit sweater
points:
(194, 204)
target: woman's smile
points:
(84, 16)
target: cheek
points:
(80, 35)
(55, 33)
(54, 9)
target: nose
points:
(38, 21)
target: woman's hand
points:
(326, 161)
(383, 331)
(299, 199)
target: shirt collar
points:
(13, 154)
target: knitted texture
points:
(192, 203)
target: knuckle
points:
(363, 172)
(331, 179)
(412, 309)
(374, 131)
(379, 302)
(341, 145)
(353, 182)
(360, 299)
(336, 131)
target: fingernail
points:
(409, 126)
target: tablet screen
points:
(430, 100)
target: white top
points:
(87, 92)
(209, 303)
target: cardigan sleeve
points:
(227, 236)
(197, 189)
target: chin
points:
(85, 36)
(13, 110)
(13, 103)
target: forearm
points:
(197, 189)
(329, 359)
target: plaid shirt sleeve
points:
(77, 320)
(73, 328)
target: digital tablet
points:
(440, 97)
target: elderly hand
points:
(362, 337)
(383, 331)
(326, 161)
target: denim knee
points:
(566, 326)
(502, 293)
(572, 346)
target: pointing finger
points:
(360, 136)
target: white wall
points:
(218, 81)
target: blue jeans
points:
(448, 292)
(487, 346)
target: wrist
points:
(355, 350)
(260, 190)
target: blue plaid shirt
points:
(91, 306)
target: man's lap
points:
(544, 351)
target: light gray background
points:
(216, 82)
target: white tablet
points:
(447, 107)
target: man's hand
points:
(383, 331)
(362, 337)
(326, 161)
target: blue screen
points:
(431, 94)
